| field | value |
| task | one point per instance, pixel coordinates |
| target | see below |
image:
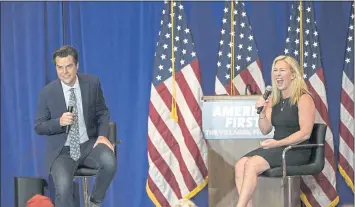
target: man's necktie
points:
(74, 138)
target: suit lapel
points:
(60, 97)
(85, 89)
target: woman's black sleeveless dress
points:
(284, 118)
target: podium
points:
(230, 126)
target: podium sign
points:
(226, 118)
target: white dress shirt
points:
(82, 128)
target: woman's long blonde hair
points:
(299, 86)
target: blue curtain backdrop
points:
(116, 41)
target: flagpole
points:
(301, 38)
(173, 112)
(232, 92)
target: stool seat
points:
(81, 172)
(276, 172)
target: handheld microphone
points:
(265, 96)
(70, 109)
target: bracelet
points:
(263, 117)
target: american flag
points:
(320, 189)
(346, 128)
(177, 151)
(247, 69)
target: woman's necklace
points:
(282, 105)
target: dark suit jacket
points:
(51, 106)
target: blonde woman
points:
(291, 111)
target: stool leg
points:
(86, 185)
(292, 191)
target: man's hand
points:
(66, 119)
(104, 140)
(269, 143)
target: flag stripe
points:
(228, 89)
(239, 84)
(317, 89)
(167, 131)
(322, 110)
(249, 79)
(312, 183)
(184, 80)
(220, 89)
(347, 137)
(195, 65)
(329, 154)
(349, 169)
(346, 83)
(194, 128)
(189, 73)
(347, 153)
(159, 168)
(172, 144)
(157, 193)
(323, 179)
(257, 77)
(192, 147)
(308, 194)
(258, 62)
(347, 102)
(194, 121)
(320, 105)
(326, 183)
(347, 119)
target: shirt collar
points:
(66, 88)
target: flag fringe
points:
(304, 199)
(151, 196)
(346, 177)
(188, 196)
(197, 189)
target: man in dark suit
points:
(86, 142)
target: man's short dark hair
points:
(65, 51)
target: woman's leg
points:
(253, 167)
(239, 174)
